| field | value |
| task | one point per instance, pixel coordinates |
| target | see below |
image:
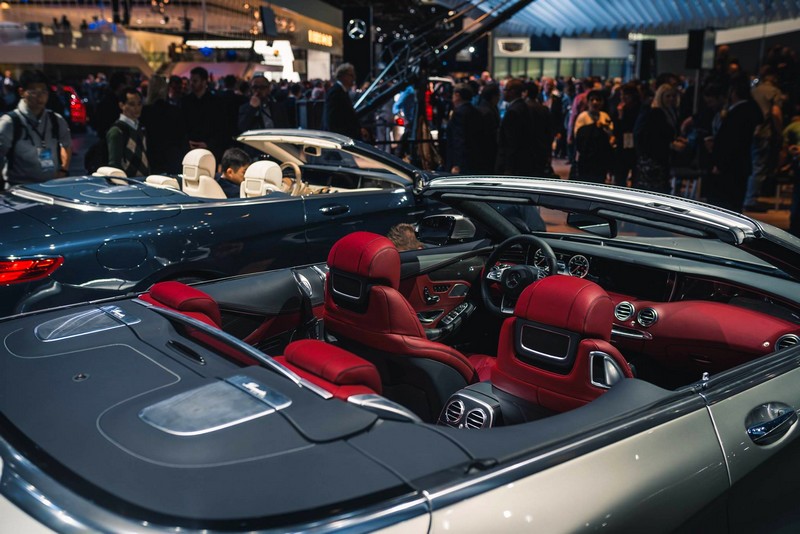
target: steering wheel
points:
(514, 279)
(297, 186)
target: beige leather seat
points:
(199, 166)
(166, 182)
(261, 178)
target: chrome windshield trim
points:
(244, 347)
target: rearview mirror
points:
(441, 229)
(311, 150)
(591, 224)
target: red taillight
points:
(400, 121)
(12, 271)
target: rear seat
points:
(332, 368)
(336, 370)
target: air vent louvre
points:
(624, 311)
(475, 419)
(454, 411)
(647, 317)
(786, 341)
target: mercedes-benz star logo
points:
(356, 29)
(513, 280)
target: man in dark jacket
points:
(202, 114)
(731, 155)
(463, 133)
(262, 111)
(340, 117)
(490, 124)
(514, 155)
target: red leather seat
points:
(185, 299)
(555, 350)
(368, 315)
(334, 369)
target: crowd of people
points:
(737, 136)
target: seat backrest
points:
(261, 178)
(198, 175)
(166, 182)
(555, 350)
(370, 317)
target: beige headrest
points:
(199, 162)
(268, 172)
(110, 171)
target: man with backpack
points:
(35, 142)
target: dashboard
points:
(680, 313)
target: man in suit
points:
(514, 155)
(463, 133)
(731, 155)
(340, 117)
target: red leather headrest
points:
(367, 255)
(181, 297)
(333, 364)
(570, 303)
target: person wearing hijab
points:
(655, 138)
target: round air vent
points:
(647, 317)
(454, 411)
(624, 310)
(786, 341)
(475, 419)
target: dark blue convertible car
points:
(84, 238)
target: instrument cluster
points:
(571, 264)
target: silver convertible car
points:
(550, 356)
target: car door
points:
(754, 409)
(330, 216)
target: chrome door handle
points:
(334, 209)
(769, 422)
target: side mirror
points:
(441, 229)
(591, 224)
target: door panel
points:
(766, 478)
(730, 415)
(657, 479)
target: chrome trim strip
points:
(256, 354)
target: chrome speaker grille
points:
(624, 310)
(475, 419)
(786, 341)
(647, 317)
(454, 411)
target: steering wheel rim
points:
(521, 239)
(297, 186)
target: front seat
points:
(199, 167)
(555, 350)
(261, 178)
(369, 316)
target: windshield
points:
(655, 237)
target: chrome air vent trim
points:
(476, 418)
(647, 317)
(624, 310)
(454, 411)
(786, 341)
